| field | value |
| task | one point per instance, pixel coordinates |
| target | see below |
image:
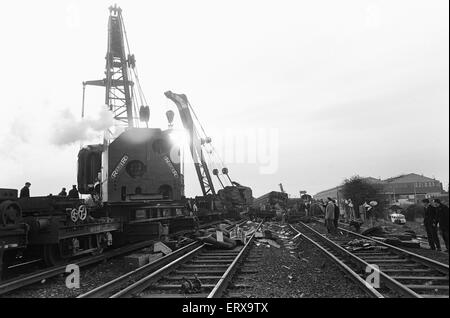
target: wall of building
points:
(411, 188)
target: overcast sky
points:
(350, 87)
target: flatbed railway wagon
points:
(53, 228)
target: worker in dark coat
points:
(25, 191)
(329, 216)
(63, 193)
(430, 222)
(442, 218)
(337, 213)
(73, 193)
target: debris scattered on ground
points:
(270, 242)
(296, 270)
(361, 244)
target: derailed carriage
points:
(269, 205)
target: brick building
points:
(408, 188)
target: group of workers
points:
(73, 193)
(354, 217)
(436, 217)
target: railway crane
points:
(136, 173)
(233, 197)
(120, 70)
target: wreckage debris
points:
(219, 237)
(388, 235)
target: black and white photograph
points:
(245, 151)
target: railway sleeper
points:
(428, 287)
(201, 277)
(421, 278)
(381, 257)
(178, 287)
(206, 257)
(162, 295)
(409, 270)
(192, 272)
(204, 266)
(210, 261)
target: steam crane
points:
(195, 142)
(135, 175)
(120, 68)
(235, 197)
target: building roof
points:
(373, 180)
(404, 178)
(411, 177)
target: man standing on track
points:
(337, 213)
(430, 223)
(329, 215)
(442, 218)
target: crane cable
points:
(204, 132)
(212, 163)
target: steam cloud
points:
(70, 129)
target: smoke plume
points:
(69, 129)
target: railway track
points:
(39, 275)
(401, 273)
(215, 268)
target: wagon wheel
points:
(74, 215)
(82, 212)
(10, 213)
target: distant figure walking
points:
(430, 222)
(63, 193)
(73, 193)
(25, 191)
(442, 218)
(329, 216)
